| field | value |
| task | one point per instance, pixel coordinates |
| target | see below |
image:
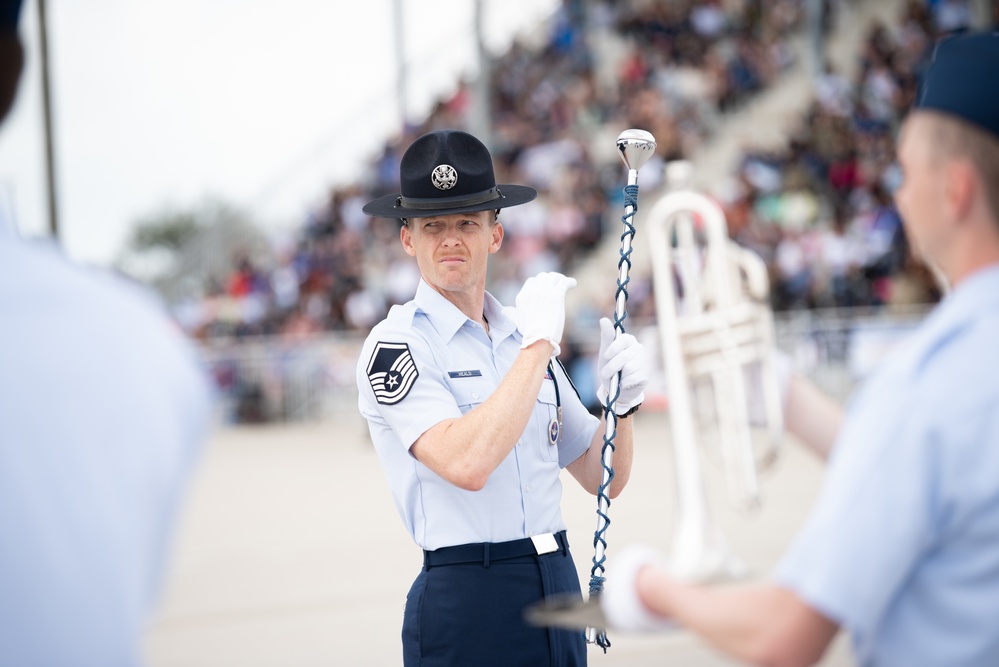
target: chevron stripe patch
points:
(391, 372)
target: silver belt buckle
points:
(544, 543)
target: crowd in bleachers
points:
(671, 68)
(819, 212)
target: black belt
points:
(485, 552)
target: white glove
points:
(541, 309)
(623, 354)
(619, 599)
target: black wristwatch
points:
(630, 412)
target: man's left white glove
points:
(627, 355)
(540, 311)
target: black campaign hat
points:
(963, 80)
(444, 172)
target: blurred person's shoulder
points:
(95, 319)
(43, 290)
(951, 356)
(38, 270)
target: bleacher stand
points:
(818, 211)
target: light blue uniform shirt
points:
(427, 362)
(102, 412)
(902, 548)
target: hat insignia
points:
(444, 177)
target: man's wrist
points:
(630, 412)
(619, 405)
(538, 343)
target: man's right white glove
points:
(619, 600)
(625, 354)
(541, 309)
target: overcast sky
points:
(262, 103)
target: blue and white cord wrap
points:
(610, 417)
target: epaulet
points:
(401, 314)
(399, 318)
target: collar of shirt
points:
(978, 293)
(447, 319)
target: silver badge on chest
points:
(555, 428)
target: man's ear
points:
(406, 236)
(961, 188)
(497, 240)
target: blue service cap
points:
(962, 79)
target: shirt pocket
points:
(469, 392)
(546, 422)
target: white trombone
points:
(715, 337)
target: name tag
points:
(464, 374)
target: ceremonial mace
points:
(636, 147)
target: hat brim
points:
(389, 206)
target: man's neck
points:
(471, 305)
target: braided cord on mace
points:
(635, 147)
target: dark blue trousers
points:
(471, 614)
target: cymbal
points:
(568, 612)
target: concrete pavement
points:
(290, 551)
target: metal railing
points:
(270, 379)
(275, 380)
(836, 348)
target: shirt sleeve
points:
(400, 384)
(871, 522)
(578, 424)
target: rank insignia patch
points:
(391, 372)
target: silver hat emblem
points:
(444, 177)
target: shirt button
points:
(528, 488)
(476, 396)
